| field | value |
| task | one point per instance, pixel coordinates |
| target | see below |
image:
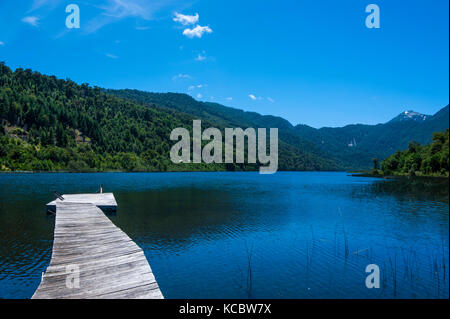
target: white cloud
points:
(185, 19)
(199, 96)
(112, 56)
(270, 100)
(116, 10)
(47, 4)
(31, 20)
(254, 98)
(122, 8)
(198, 31)
(200, 58)
(181, 76)
(199, 86)
(229, 98)
(37, 4)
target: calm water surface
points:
(245, 235)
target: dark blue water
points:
(245, 235)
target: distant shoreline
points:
(199, 171)
(349, 173)
(368, 174)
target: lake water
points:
(245, 235)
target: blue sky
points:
(311, 62)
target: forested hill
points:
(222, 116)
(51, 124)
(430, 159)
(352, 146)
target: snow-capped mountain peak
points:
(410, 115)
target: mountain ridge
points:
(54, 124)
(49, 124)
(410, 115)
(353, 145)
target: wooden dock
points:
(105, 201)
(92, 258)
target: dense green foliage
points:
(367, 141)
(295, 152)
(431, 159)
(51, 124)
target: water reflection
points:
(414, 188)
(307, 235)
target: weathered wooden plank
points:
(104, 201)
(110, 264)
